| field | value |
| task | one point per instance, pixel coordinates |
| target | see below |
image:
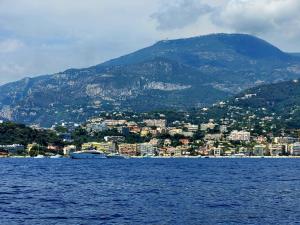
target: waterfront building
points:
(128, 149)
(69, 149)
(182, 150)
(295, 149)
(276, 149)
(146, 149)
(217, 151)
(203, 150)
(162, 151)
(171, 151)
(229, 152)
(244, 150)
(259, 150)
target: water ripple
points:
(149, 191)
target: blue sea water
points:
(149, 191)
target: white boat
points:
(116, 156)
(56, 156)
(17, 156)
(88, 154)
(239, 155)
(39, 157)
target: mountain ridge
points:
(172, 74)
(212, 38)
(278, 103)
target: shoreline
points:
(220, 157)
(173, 157)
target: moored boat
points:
(116, 156)
(88, 154)
(239, 155)
(39, 157)
(56, 156)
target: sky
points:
(40, 37)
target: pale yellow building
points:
(101, 146)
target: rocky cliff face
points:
(170, 74)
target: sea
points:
(149, 191)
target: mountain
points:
(171, 74)
(277, 103)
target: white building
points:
(295, 149)
(96, 127)
(112, 123)
(146, 149)
(206, 126)
(276, 149)
(191, 127)
(239, 136)
(156, 123)
(114, 138)
(218, 151)
(69, 149)
(259, 150)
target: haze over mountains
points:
(172, 74)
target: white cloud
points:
(10, 45)
(64, 33)
(180, 13)
(274, 20)
(260, 16)
(42, 37)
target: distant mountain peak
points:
(171, 74)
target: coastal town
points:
(145, 135)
